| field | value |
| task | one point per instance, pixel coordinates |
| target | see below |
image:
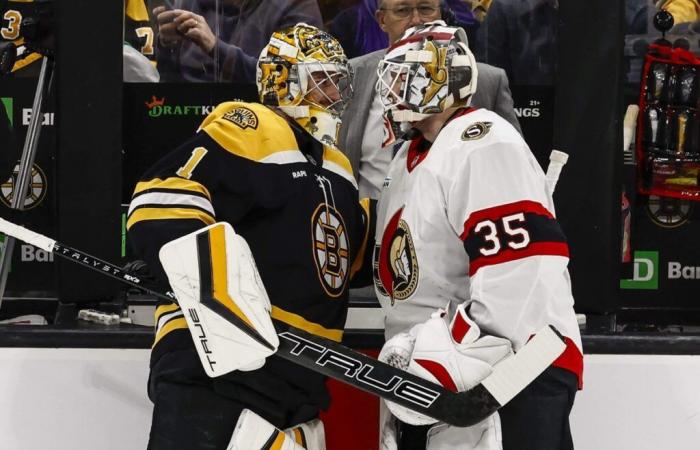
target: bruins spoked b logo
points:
(331, 253)
(396, 266)
(36, 190)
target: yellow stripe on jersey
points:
(337, 157)
(136, 10)
(297, 321)
(359, 259)
(143, 214)
(175, 324)
(235, 126)
(165, 309)
(219, 261)
(26, 61)
(171, 183)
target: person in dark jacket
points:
(197, 42)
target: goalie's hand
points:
(453, 354)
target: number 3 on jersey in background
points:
(11, 31)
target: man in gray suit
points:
(362, 129)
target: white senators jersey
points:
(469, 219)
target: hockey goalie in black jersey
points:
(273, 173)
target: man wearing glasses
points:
(362, 132)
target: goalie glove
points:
(454, 355)
(218, 287)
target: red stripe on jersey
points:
(534, 249)
(439, 372)
(414, 155)
(571, 360)
(495, 213)
(459, 328)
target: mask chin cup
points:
(406, 115)
(321, 124)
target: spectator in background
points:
(358, 31)
(198, 43)
(636, 16)
(681, 10)
(480, 8)
(520, 36)
(361, 134)
(139, 44)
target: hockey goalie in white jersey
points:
(466, 223)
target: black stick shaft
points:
(319, 354)
(339, 362)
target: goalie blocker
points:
(346, 365)
(217, 285)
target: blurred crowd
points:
(219, 40)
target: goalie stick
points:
(363, 372)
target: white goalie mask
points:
(427, 71)
(304, 72)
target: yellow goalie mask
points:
(304, 72)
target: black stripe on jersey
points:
(171, 191)
(510, 232)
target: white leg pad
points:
(485, 435)
(252, 432)
(310, 434)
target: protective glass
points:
(404, 12)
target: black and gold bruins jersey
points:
(296, 204)
(12, 13)
(138, 31)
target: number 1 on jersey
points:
(186, 170)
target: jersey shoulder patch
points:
(476, 130)
(249, 130)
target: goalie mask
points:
(426, 72)
(304, 72)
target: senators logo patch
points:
(395, 263)
(243, 117)
(331, 253)
(476, 131)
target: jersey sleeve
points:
(179, 193)
(499, 207)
